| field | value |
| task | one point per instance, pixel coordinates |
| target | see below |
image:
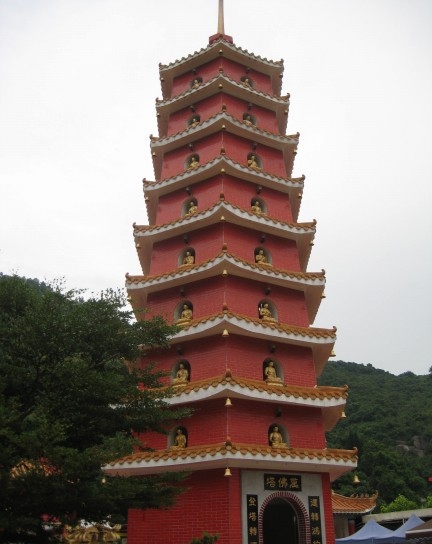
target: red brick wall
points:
(241, 242)
(265, 118)
(242, 296)
(212, 422)
(238, 192)
(243, 356)
(211, 503)
(231, 69)
(236, 148)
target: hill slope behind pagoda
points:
(389, 418)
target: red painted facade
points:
(222, 106)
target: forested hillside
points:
(389, 419)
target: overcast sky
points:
(78, 82)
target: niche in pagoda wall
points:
(171, 206)
(234, 70)
(208, 241)
(212, 355)
(177, 121)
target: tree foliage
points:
(69, 403)
(400, 504)
(387, 418)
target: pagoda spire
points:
(221, 26)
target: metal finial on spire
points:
(221, 29)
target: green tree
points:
(388, 420)
(69, 403)
(400, 504)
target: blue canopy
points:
(371, 533)
(399, 534)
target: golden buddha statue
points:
(182, 375)
(265, 313)
(271, 376)
(260, 257)
(256, 207)
(248, 121)
(188, 259)
(193, 164)
(180, 441)
(186, 315)
(253, 163)
(193, 208)
(276, 439)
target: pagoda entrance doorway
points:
(280, 523)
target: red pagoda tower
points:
(225, 257)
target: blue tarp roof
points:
(371, 533)
(399, 534)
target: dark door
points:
(280, 525)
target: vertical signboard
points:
(315, 520)
(252, 518)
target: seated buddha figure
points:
(271, 376)
(193, 164)
(182, 375)
(180, 441)
(185, 316)
(256, 207)
(260, 258)
(248, 120)
(188, 259)
(193, 208)
(276, 439)
(253, 163)
(265, 313)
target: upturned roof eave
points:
(244, 456)
(153, 190)
(222, 84)
(279, 141)
(343, 506)
(319, 341)
(223, 122)
(311, 284)
(302, 233)
(282, 395)
(244, 388)
(226, 46)
(299, 281)
(262, 222)
(216, 49)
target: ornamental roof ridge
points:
(229, 161)
(353, 505)
(226, 315)
(234, 448)
(213, 45)
(305, 226)
(187, 269)
(223, 76)
(324, 392)
(155, 140)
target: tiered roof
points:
(353, 505)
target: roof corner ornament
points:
(221, 29)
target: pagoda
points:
(225, 258)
